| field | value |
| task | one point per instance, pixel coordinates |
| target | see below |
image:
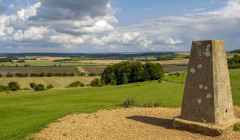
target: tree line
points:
(234, 62)
(130, 72)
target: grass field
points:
(26, 112)
(57, 82)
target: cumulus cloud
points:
(73, 9)
(33, 33)
(90, 26)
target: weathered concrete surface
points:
(207, 95)
(203, 128)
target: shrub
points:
(76, 84)
(4, 88)
(49, 74)
(0, 75)
(41, 74)
(26, 74)
(159, 80)
(21, 75)
(9, 75)
(16, 65)
(50, 86)
(129, 101)
(26, 65)
(13, 86)
(96, 83)
(65, 74)
(72, 74)
(157, 104)
(58, 74)
(33, 85)
(39, 87)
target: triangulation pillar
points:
(207, 105)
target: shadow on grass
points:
(166, 123)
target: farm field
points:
(101, 61)
(48, 64)
(26, 112)
(172, 62)
(48, 59)
(13, 70)
(57, 82)
(175, 68)
(93, 69)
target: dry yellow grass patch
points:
(47, 59)
(57, 82)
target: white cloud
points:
(32, 33)
(30, 11)
(74, 27)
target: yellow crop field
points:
(57, 82)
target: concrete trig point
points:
(207, 105)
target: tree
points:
(13, 86)
(124, 79)
(96, 83)
(146, 75)
(50, 86)
(33, 85)
(39, 87)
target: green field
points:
(171, 56)
(26, 112)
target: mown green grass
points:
(25, 112)
(234, 78)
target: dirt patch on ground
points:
(124, 124)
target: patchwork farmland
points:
(13, 70)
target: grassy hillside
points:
(26, 112)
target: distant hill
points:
(236, 51)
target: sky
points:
(96, 26)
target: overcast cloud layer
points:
(90, 26)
